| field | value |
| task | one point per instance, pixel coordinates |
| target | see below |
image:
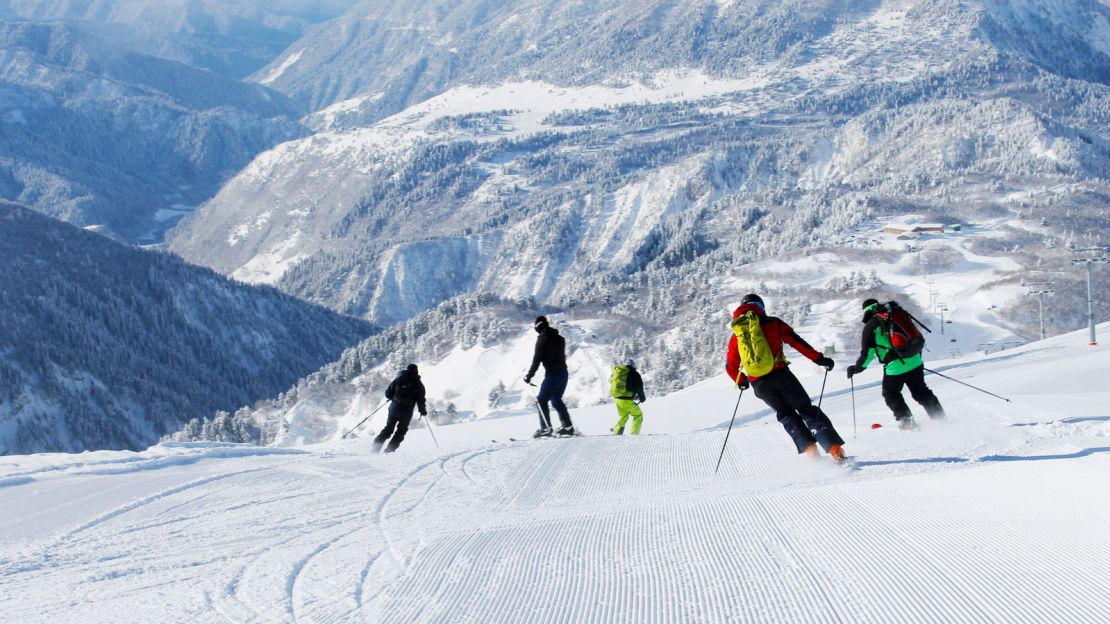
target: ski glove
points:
(424, 413)
(743, 382)
(527, 379)
(854, 370)
(826, 362)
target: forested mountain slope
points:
(105, 346)
(97, 134)
(232, 38)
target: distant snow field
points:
(997, 514)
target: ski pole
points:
(428, 421)
(855, 431)
(823, 381)
(729, 432)
(544, 422)
(969, 385)
(364, 420)
(914, 319)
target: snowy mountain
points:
(99, 135)
(105, 346)
(647, 191)
(993, 515)
(473, 350)
(394, 55)
(233, 38)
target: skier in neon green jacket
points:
(898, 371)
(626, 385)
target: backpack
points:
(405, 391)
(755, 351)
(900, 328)
(618, 383)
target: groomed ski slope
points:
(999, 514)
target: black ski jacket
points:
(635, 385)
(551, 351)
(407, 390)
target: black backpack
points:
(406, 389)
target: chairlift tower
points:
(1089, 256)
(1041, 290)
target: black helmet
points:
(870, 307)
(752, 298)
(540, 324)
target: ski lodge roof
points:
(905, 228)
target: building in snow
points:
(901, 229)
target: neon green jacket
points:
(877, 344)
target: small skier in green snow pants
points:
(626, 385)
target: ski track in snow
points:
(995, 515)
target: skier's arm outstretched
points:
(868, 349)
(734, 364)
(541, 346)
(420, 392)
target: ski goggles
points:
(870, 311)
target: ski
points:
(550, 437)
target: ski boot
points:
(376, 446)
(812, 452)
(542, 432)
(907, 424)
(836, 451)
(618, 430)
(566, 431)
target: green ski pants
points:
(626, 408)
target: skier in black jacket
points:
(404, 393)
(551, 352)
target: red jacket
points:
(777, 332)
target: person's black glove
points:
(854, 370)
(826, 361)
(424, 413)
(743, 383)
(642, 398)
(527, 379)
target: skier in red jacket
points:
(779, 388)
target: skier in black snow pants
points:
(551, 352)
(405, 393)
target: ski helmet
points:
(753, 299)
(870, 307)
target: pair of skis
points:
(553, 436)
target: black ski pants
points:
(804, 421)
(400, 416)
(915, 381)
(551, 390)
